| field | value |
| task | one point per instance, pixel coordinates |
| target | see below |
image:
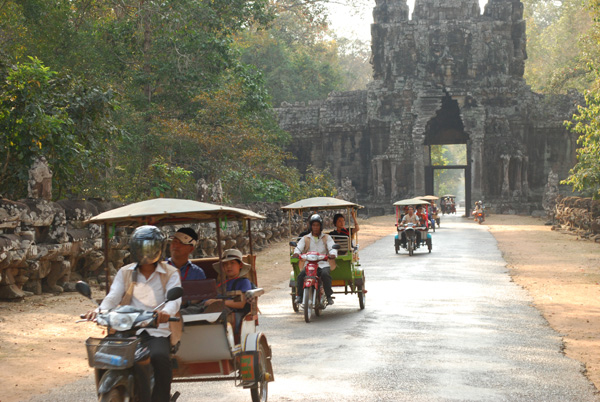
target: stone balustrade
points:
(46, 246)
(580, 215)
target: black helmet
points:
(315, 218)
(147, 244)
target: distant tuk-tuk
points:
(410, 230)
(211, 347)
(348, 274)
(448, 204)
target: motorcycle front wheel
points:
(318, 300)
(308, 296)
(411, 247)
(114, 395)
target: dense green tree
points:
(43, 113)
(300, 58)
(557, 45)
(585, 175)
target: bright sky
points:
(359, 26)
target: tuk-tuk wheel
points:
(261, 392)
(362, 297)
(429, 246)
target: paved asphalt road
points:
(445, 326)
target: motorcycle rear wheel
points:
(308, 295)
(114, 395)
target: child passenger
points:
(231, 272)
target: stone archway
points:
(447, 128)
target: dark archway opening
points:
(447, 129)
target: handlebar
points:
(174, 319)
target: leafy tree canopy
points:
(585, 176)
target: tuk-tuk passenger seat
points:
(343, 242)
(202, 289)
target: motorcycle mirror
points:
(174, 293)
(293, 244)
(84, 289)
(336, 247)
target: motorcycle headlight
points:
(121, 322)
(313, 257)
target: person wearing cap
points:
(182, 245)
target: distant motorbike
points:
(122, 364)
(314, 295)
(479, 216)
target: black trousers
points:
(160, 348)
(323, 273)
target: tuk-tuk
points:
(448, 204)
(410, 230)
(348, 276)
(211, 349)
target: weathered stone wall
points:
(450, 75)
(46, 246)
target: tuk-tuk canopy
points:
(429, 197)
(321, 203)
(161, 211)
(411, 201)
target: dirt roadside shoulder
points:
(562, 275)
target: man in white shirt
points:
(144, 285)
(322, 244)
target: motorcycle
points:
(314, 294)
(410, 232)
(479, 216)
(122, 363)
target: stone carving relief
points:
(40, 180)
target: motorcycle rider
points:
(143, 284)
(410, 217)
(323, 244)
(479, 208)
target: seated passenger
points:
(340, 225)
(182, 245)
(422, 216)
(231, 274)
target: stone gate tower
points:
(449, 75)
